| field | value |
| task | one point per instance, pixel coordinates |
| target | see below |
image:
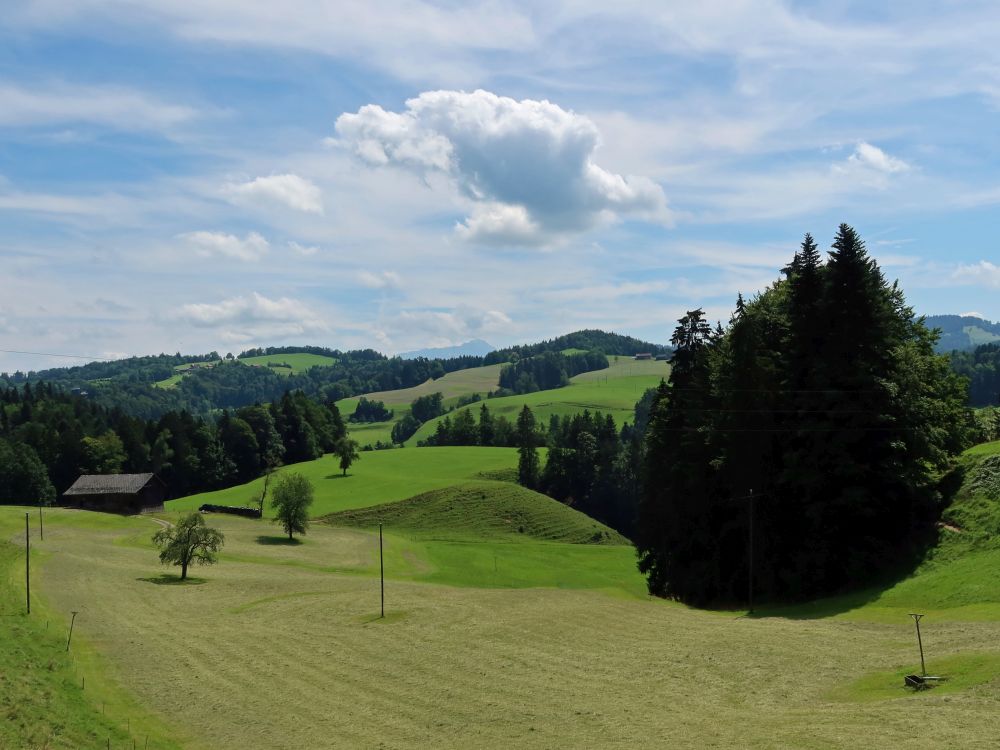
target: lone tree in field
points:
(189, 541)
(291, 498)
(347, 450)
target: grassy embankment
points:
(494, 637)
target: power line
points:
(50, 354)
(789, 429)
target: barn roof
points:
(110, 484)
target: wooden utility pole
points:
(750, 567)
(71, 624)
(381, 568)
(916, 621)
(27, 561)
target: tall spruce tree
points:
(825, 397)
(673, 538)
(527, 452)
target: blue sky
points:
(223, 174)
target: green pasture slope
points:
(282, 364)
(614, 391)
(494, 636)
(452, 386)
(377, 477)
(476, 511)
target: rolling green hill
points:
(453, 385)
(612, 391)
(963, 332)
(482, 511)
(281, 364)
(377, 477)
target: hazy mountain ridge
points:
(962, 332)
(473, 348)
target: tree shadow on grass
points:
(278, 541)
(337, 476)
(173, 580)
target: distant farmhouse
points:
(116, 493)
(644, 355)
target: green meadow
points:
(452, 386)
(509, 620)
(613, 391)
(377, 477)
(282, 364)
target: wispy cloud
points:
(111, 106)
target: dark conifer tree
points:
(527, 451)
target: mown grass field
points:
(614, 391)
(377, 477)
(278, 631)
(51, 698)
(493, 636)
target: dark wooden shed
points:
(117, 493)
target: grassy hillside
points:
(282, 364)
(51, 698)
(452, 385)
(612, 391)
(288, 364)
(960, 577)
(480, 380)
(480, 511)
(377, 477)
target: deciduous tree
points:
(188, 541)
(291, 498)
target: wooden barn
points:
(116, 493)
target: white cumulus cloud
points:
(247, 316)
(289, 190)
(249, 248)
(983, 273)
(528, 166)
(871, 160)
(867, 155)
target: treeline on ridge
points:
(48, 437)
(127, 384)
